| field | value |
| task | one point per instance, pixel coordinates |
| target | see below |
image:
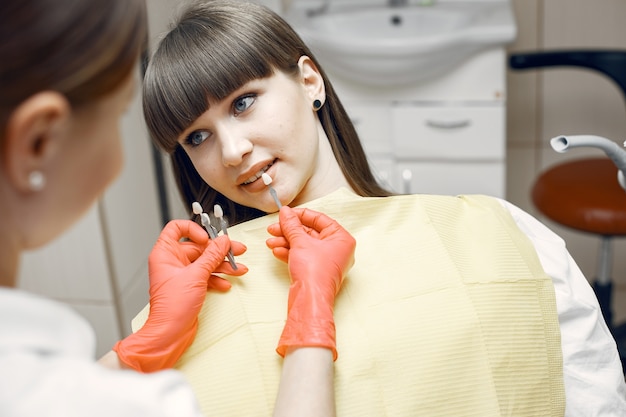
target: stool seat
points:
(583, 194)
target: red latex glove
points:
(319, 253)
(180, 272)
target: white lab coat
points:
(47, 368)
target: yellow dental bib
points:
(446, 312)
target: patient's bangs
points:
(182, 79)
(210, 54)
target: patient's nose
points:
(234, 146)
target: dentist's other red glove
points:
(319, 253)
(180, 272)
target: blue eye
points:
(197, 137)
(242, 104)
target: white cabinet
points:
(446, 136)
(451, 178)
(449, 133)
(434, 148)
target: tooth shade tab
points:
(196, 208)
(217, 210)
(267, 180)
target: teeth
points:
(257, 175)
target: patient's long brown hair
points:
(215, 48)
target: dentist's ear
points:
(31, 138)
(312, 80)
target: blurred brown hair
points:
(82, 49)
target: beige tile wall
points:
(549, 102)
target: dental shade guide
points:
(219, 215)
(211, 230)
(267, 180)
(204, 218)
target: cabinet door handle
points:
(448, 124)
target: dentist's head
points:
(66, 77)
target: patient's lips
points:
(256, 172)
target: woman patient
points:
(455, 305)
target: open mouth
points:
(258, 175)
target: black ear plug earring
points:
(317, 104)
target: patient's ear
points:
(312, 79)
(31, 139)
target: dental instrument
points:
(196, 208)
(211, 230)
(267, 180)
(219, 215)
(204, 219)
(206, 222)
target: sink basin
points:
(382, 45)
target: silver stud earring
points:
(36, 180)
(317, 104)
